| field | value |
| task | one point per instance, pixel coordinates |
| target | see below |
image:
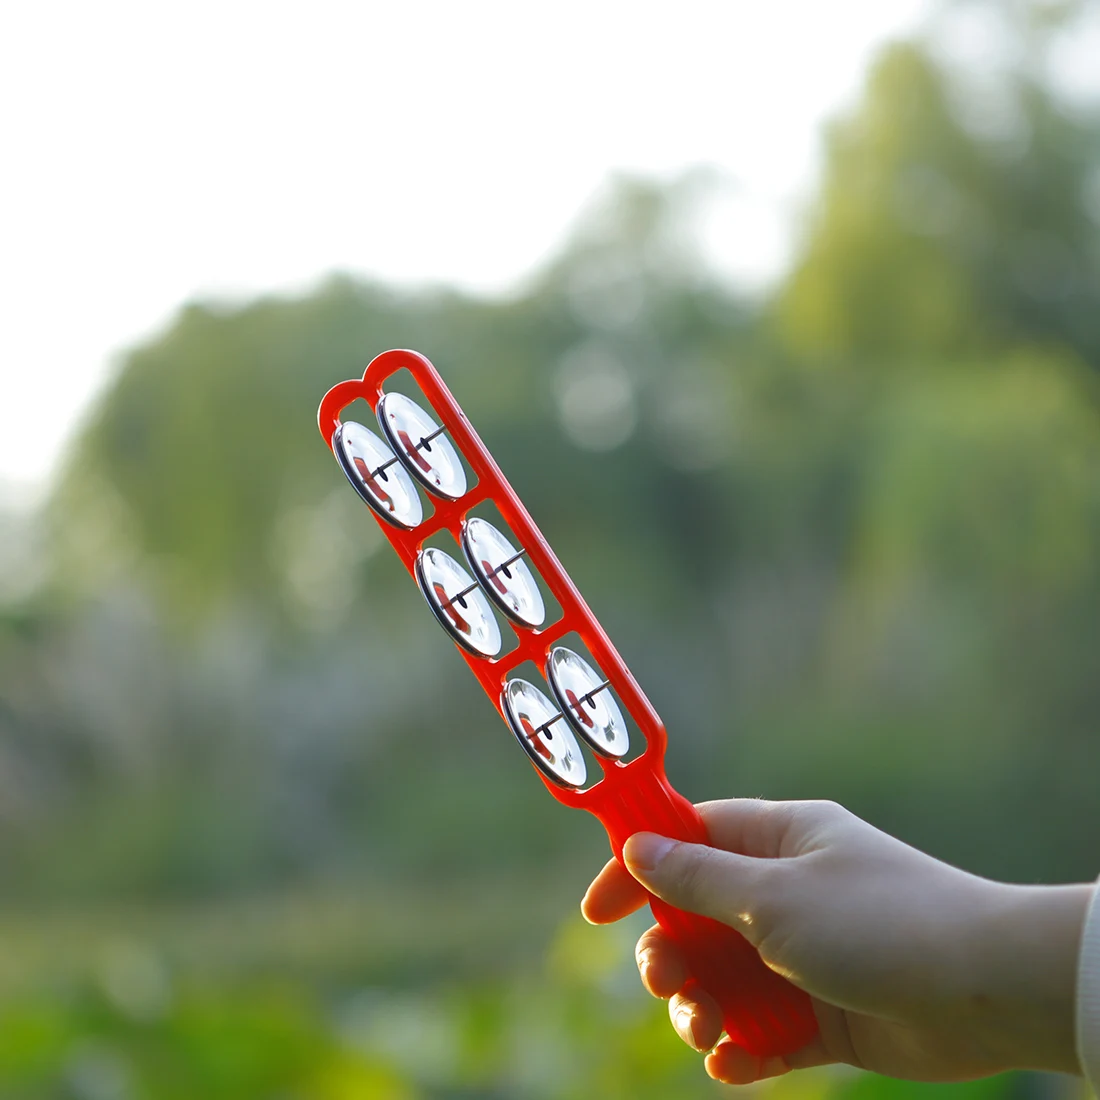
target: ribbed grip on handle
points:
(761, 1011)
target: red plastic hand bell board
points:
(762, 1012)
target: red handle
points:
(761, 1011)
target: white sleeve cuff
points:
(1088, 996)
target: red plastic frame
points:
(762, 1012)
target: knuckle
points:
(648, 943)
(815, 824)
(823, 813)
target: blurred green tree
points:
(951, 219)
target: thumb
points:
(718, 884)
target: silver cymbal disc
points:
(553, 749)
(459, 604)
(590, 707)
(430, 457)
(507, 578)
(377, 476)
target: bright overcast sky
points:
(160, 151)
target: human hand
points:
(916, 969)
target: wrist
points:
(1024, 985)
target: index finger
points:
(614, 894)
(766, 830)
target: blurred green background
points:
(263, 837)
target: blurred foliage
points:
(264, 837)
(949, 223)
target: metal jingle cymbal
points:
(377, 476)
(421, 445)
(544, 734)
(585, 699)
(503, 574)
(458, 602)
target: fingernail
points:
(648, 849)
(685, 1025)
(584, 908)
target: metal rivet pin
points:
(459, 595)
(595, 691)
(424, 441)
(384, 466)
(547, 724)
(504, 565)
